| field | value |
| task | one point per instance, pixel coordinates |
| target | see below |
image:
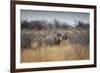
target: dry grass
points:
(69, 49)
(65, 51)
(42, 41)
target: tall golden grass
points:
(65, 51)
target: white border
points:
(52, 64)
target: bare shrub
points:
(82, 25)
(25, 40)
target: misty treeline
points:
(43, 24)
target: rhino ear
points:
(58, 34)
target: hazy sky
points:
(68, 17)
